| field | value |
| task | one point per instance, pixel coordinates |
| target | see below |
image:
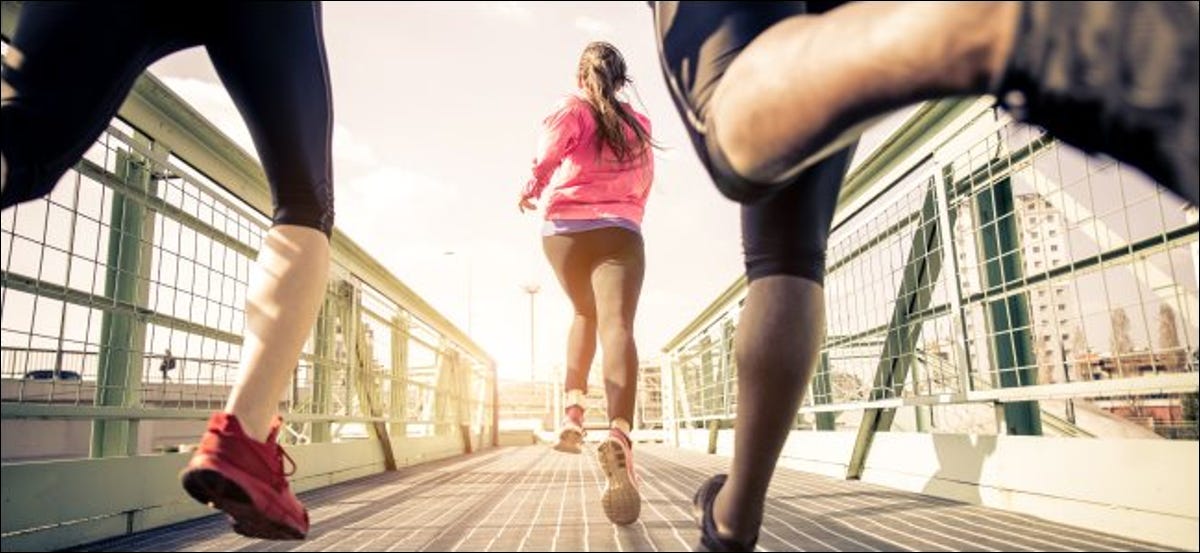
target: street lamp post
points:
(532, 289)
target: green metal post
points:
(714, 430)
(325, 350)
(729, 369)
(708, 377)
(348, 313)
(921, 270)
(399, 396)
(822, 391)
(495, 383)
(123, 336)
(921, 413)
(1008, 316)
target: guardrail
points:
(123, 298)
(983, 278)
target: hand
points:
(526, 204)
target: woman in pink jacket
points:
(595, 163)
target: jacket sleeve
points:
(559, 136)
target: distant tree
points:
(847, 387)
(1120, 341)
(1079, 352)
(1168, 338)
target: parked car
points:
(48, 374)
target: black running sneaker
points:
(1112, 77)
(702, 507)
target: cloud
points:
(389, 202)
(213, 101)
(395, 184)
(379, 195)
(593, 27)
(517, 12)
(349, 149)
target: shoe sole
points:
(215, 490)
(569, 441)
(621, 501)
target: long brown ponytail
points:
(601, 75)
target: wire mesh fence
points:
(1000, 259)
(125, 289)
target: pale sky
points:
(437, 110)
(437, 107)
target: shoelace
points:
(576, 424)
(281, 475)
(627, 459)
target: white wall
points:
(1141, 489)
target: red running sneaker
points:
(621, 501)
(570, 435)
(245, 478)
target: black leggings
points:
(72, 64)
(601, 271)
(787, 232)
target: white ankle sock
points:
(575, 397)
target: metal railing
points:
(123, 298)
(984, 278)
(121, 322)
